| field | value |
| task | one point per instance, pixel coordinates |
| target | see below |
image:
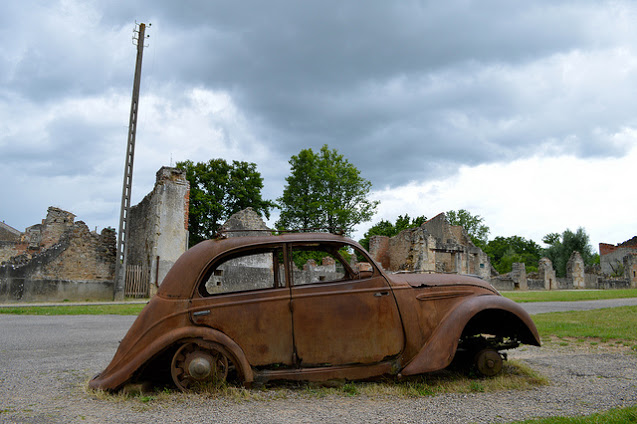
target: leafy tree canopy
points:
(561, 247)
(386, 228)
(473, 224)
(324, 191)
(218, 190)
(504, 251)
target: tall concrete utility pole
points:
(122, 235)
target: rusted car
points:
(309, 307)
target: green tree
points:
(561, 247)
(474, 225)
(324, 191)
(386, 228)
(218, 190)
(504, 251)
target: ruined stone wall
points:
(56, 223)
(158, 225)
(612, 263)
(8, 233)
(245, 223)
(8, 249)
(575, 271)
(411, 251)
(438, 227)
(435, 246)
(518, 275)
(38, 237)
(380, 246)
(79, 266)
(612, 257)
(630, 269)
(546, 274)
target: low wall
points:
(503, 284)
(592, 282)
(613, 284)
(28, 290)
(535, 284)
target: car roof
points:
(179, 281)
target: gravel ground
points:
(45, 363)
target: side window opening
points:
(245, 271)
(325, 263)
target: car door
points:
(244, 295)
(340, 316)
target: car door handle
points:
(379, 294)
(201, 313)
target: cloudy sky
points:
(524, 113)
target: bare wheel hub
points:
(488, 362)
(199, 368)
(197, 363)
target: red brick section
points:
(605, 248)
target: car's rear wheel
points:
(198, 365)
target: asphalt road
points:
(583, 305)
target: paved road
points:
(583, 305)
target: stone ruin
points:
(435, 246)
(619, 262)
(245, 223)
(56, 260)
(158, 231)
(438, 246)
(60, 259)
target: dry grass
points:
(514, 376)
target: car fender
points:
(114, 378)
(439, 350)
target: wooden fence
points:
(137, 281)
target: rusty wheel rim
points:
(488, 362)
(196, 366)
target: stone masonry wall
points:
(80, 265)
(575, 270)
(436, 246)
(158, 225)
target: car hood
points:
(437, 280)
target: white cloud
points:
(532, 197)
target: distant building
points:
(435, 246)
(620, 260)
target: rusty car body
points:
(309, 306)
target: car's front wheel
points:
(488, 362)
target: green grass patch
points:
(133, 309)
(613, 416)
(604, 324)
(568, 295)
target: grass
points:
(568, 295)
(603, 324)
(613, 416)
(514, 376)
(71, 309)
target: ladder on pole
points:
(122, 234)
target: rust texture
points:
(308, 307)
